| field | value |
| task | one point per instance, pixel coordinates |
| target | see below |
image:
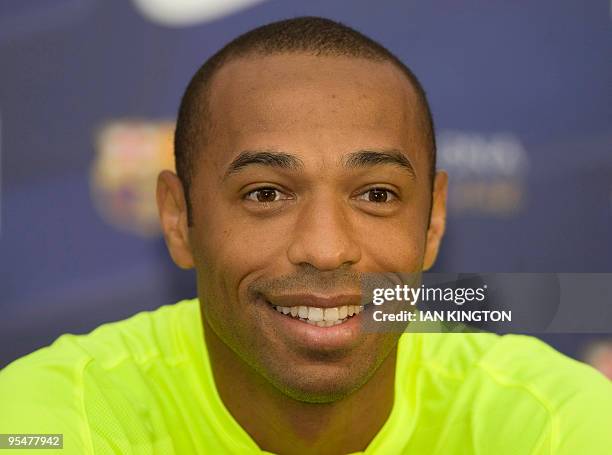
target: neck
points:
(280, 424)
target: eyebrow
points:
(366, 158)
(264, 157)
(360, 159)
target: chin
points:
(319, 383)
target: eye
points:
(377, 195)
(265, 195)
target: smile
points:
(322, 317)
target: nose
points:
(323, 236)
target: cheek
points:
(224, 260)
(396, 245)
(241, 248)
(231, 251)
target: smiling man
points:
(305, 158)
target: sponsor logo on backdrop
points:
(487, 172)
(180, 13)
(129, 156)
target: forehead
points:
(295, 101)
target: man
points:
(305, 156)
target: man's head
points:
(305, 156)
(306, 35)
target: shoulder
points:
(58, 388)
(510, 361)
(519, 383)
(576, 398)
(551, 378)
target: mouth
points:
(321, 317)
(314, 323)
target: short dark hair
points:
(308, 35)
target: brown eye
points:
(266, 195)
(378, 195)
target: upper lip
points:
(315, 300)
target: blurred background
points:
(521, 92)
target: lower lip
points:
(313, 337)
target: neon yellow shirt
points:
(144, 385)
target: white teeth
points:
(322, 317)
(315, 314)
(331, 314)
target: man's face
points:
(316, 169)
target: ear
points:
(172, 207)
(437, 221)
